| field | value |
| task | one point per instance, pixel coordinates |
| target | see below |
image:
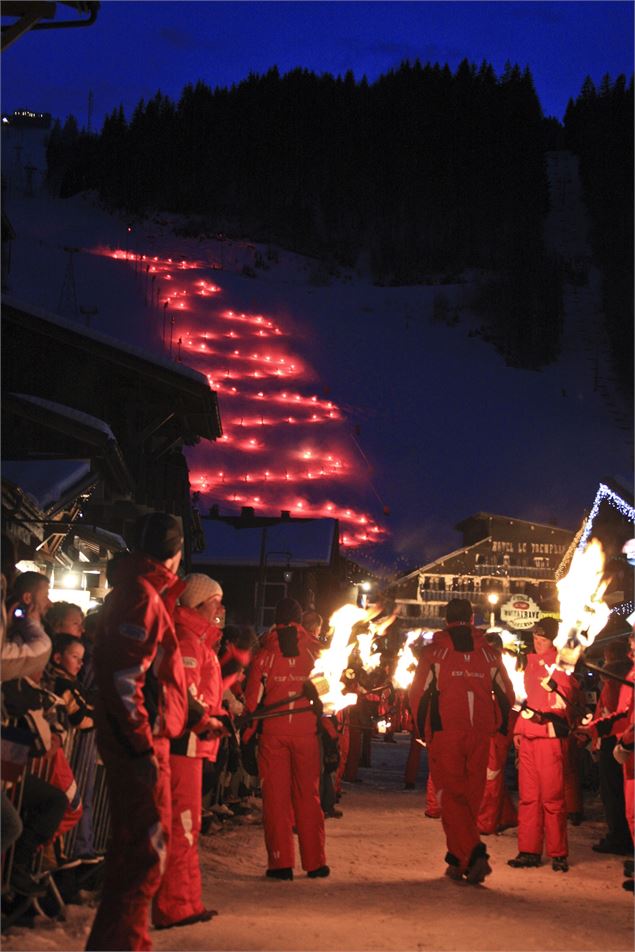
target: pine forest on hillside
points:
(423, 172)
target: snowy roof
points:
(440, 561)
(510, 520)
(45, 481)
(43, 428)
(70, 412)
(165, 364)
(99, 536)
(310, 542)
(53, 357)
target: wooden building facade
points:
(501, 557)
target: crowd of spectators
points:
(128, 733)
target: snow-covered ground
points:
(387, 890)
(431, 426)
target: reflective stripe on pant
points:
(497, 807)
(458, 765)
(179, 894)
(541, 807)
(290, 775)
(140, 828)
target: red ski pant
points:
(141, 817)
(179, 894)
(572, 778)
(458, 765)
(354, 753)
(60, 775)
(432, 804)
(290, 778)
(413, 762)
(497, 807)
(541, 807)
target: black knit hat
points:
(459, 609)
(158, 534)
(288, 610)
(547, 627)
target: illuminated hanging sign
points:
(520, 612)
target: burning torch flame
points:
(369, 658)
(581, 594)
(406, 661)
(510, 660)
(583, 612)
(516, 677)
(333, 661)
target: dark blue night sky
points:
(136, 48)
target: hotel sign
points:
(520, 612)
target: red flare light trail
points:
(271, 455)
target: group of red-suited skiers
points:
(461, 700)
(159, 716)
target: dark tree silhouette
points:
(599, 128)
(423, 172)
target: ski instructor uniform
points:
(142, 703)
(459, 690)
(539, 739)
(288, 748)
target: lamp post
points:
(492, 598)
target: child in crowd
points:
(61, 677)
(65, 617)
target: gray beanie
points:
(198, 589)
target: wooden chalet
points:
(501, 556)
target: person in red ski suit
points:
(620, 724)
(608, 726)
(141, 704)
(540, 741)
(456, 696)
(288, 752)
(498, 810)
(178, 901)
(623, 752)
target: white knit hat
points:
(198, 589)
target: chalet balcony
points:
(445, 594)
(512, 571)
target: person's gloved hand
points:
(211, 727)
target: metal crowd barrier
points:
(80, 748)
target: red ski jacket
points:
(278, 671)
(548, 702)
(460, 684)
(138, 665)
(198, 639)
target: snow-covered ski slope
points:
(400, 426)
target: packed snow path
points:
(387, 889)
